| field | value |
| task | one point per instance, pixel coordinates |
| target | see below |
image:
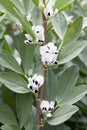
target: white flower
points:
(35, 83)
(39, 32)
(47, 108)
(49, 54)
(48, 10)
(44, 106)
(29, 39)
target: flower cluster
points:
(47, 108)
(48, 10)
(35, 83)
(49, 54)
(39, 33)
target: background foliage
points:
(18, 61)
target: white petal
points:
(44, 104)
(40, 80)
(49, 115)
(28, 36)
(48, 12)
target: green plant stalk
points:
(40, 94)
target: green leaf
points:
(62, 114)
(14, 82)
(6, 47)
(8, 61)
(25, 24)
(65, 82)
(36, 2)
(75, 94)
(51, 81)
(73, 31)
(81, 65)
(70, 51)
(9, 127)
(18, 4)
(6, 115)
(9, 8)
(57, 127)
(26, 53)
(31, 124)
(36, 16)
(62, 4)
(83, 56)
(24, 106)
(59, 25)
(27, 6)
(2, 17)
(7, 96)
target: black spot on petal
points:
(31, 87)
(36, 82)
(48, 13)
(36, 91)
(37, 31)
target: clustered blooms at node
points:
(47, 108)
(39, 33)
(35, 83)
(49, 54)
(48, 10)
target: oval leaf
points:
(65, 82)
(24, 106)
(62, 114)
(26, 53)
(73, 31)
(59, 25)
(75, 94)
(70, 51)
(6, 115)
(8, 61)
(51, 81)
(14, 82)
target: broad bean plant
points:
(39, 79)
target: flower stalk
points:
(40, 94)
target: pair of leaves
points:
(70, 48)
(63, 90)
(65, 93)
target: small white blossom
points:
(49, 54)
(48, 10)
(35, 83)
(47, 108)
(29, 39)
(39, 32)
